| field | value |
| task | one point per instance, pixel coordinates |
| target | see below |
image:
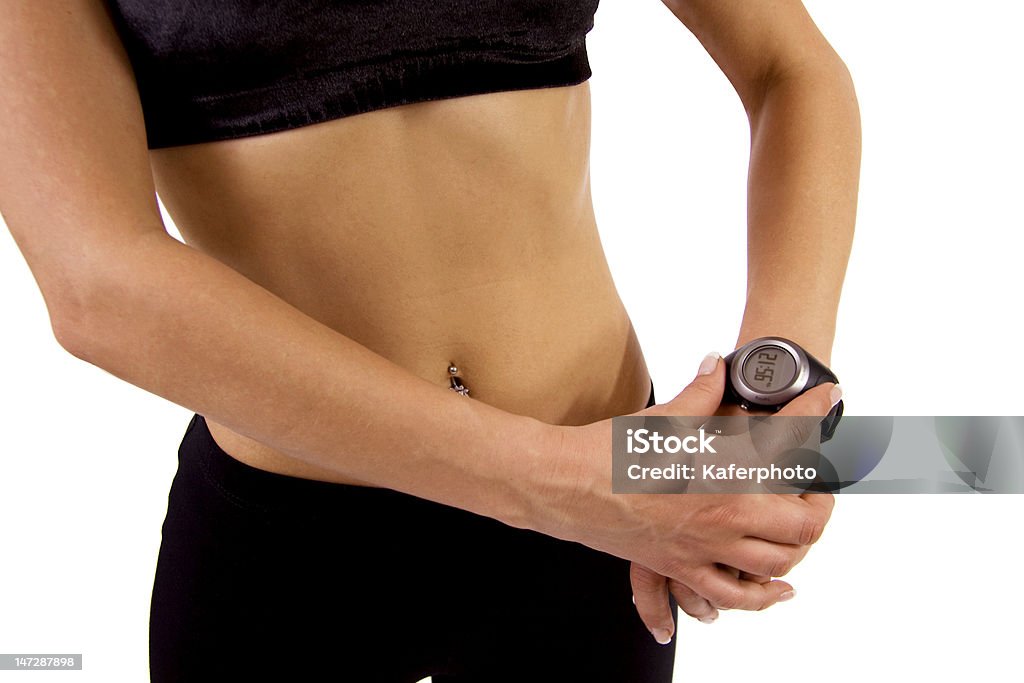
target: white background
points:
(921, 586)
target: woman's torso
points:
(458, 230)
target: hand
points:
(692, 541)
(651, 590)
(690, 602)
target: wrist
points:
(817, 342)
(784, 312)
(556, 481)
(531, 465)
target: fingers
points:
(756, 578)
(821, 503)
(802, 426)
(702, 396)
(746, 576)
(786, 519)
(691, 603)
(738, 590)
(650, 594)
(816, 401)
(726, 590)
(759, 558)
(806, 515)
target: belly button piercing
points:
(456, 381)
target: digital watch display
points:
(769, 372)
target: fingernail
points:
(788, 595)
(707, 620)
(662, 635)
(710, 362)
(837, 393)
(634, 599)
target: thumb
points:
(702, 396)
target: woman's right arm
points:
(77, 193)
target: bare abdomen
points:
(454, 231)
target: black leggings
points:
(263, 576)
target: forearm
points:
(802, 202)
(171, 320)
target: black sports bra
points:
(216, 69)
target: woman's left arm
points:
(804, 161)
(801, 196)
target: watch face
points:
(769, 369)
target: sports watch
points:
(769, 372)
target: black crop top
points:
(216, 69)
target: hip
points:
(394, 587)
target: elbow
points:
(71, 339)
(91, 300)
(69, 323)
(824, 83)
(836, 81)
(841, 78)
(74, 311)
(826, 72)
(819, 72)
